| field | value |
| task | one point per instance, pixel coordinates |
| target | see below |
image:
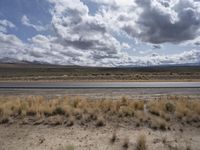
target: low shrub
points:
(141, 143)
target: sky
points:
(100, 32)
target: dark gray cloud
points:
(156, 46)
(169, 21)
(197, 43)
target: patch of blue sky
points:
(36, 10)
(170, 48)
(93, 7)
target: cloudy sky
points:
(100, 32)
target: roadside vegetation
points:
(167, 113)
(157, 114)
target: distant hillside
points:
(41, 72)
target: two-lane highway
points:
(96, 85)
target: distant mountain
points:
(164, 65)
(42, 64)
(13, 60)
(9, 60)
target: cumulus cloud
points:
(11, 47)
(186, 57)
(114, 2)
(168, 21)
(45, 50)
(155, 21)
(25, 21)
(77, 29)
(79, 38)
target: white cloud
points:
(76, 29)
(126, 46)
(25, 21)
(114, 2)
(4, 24)
(80, 38)
(47, 50)
(193, 42)
(154, 21)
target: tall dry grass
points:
(141, 143)
(155, 112)
(38, 105)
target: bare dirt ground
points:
(27, 137)
(167, 123)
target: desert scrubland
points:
(63, 122)
(29, 72)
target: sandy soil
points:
(29, 137)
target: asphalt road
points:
(96, 85)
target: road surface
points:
(96, 85)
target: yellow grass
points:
(37, 105)
(141, 143)
(157, 112)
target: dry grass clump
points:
(58, 111)
(69, 147)
(155, 107)
(169, 107)
(37, 105)
(138, 105)
(142, 118)
(141, 143)
(165, 116)
(99, 111)
(158, 107)
(158, 123)
(188, 110)
(125, 111)
(183, 108)
(55, 120)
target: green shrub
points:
(169, 107)
(59, 111)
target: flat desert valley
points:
(100, 119)
(56, 108)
